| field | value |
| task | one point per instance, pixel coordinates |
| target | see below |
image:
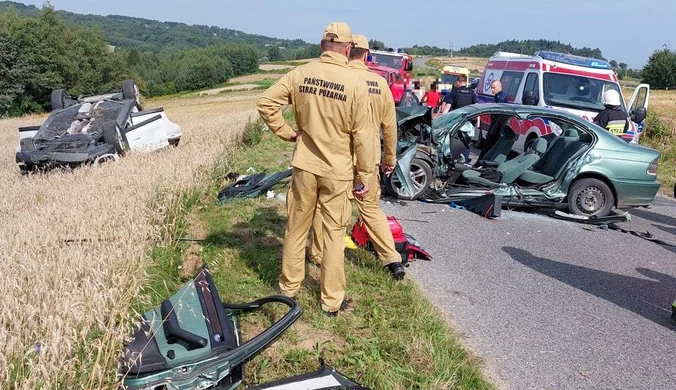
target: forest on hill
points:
(42, 49)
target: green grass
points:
(663, 138)
(393, 339)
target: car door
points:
(639, 98)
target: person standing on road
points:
(332, 110)
(369, 208)
(431, 98)
(499, 96)
(460, 96)
(613, 118)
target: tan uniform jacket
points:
(332, 108)
(384, 115)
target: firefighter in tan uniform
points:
(332, 111)
(384, 117)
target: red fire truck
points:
(401, 62)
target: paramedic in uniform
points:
(369, 208)
(613, 118)
(499, 96)
(460, 96)
(332, 110)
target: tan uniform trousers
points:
(309, 192)
(376, 224)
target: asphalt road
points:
(551, 304)
(419, 62)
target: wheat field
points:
(474, 64)
(74, 245)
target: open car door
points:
(639, 99)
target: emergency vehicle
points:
(449, 75)
(388, 74)
(402, 62)
(549, 79)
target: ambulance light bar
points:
(574, 60)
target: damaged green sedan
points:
(574, 165)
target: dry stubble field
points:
(61, 299)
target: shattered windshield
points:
(443, 124)
(578, 92)
(448, 119)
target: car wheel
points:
(27, 144)
(112, 136)
(58, 99)
(130, 91)
(421, 176)
(590, 197)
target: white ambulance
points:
(572, 83)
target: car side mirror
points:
(639, 115)
(530, 98)
(409, 66)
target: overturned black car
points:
(93, 128)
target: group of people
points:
(461, 95)
(340, 107)
(612, 117)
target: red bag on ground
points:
(407, 246)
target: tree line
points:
(41, 53)
(152, 35)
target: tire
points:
(421, 175)
(58, 99)
(590, 197)
(130, 91)
(112, 136)
(27, 144)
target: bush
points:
(253, 132)
(655, 130)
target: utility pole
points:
(451, 46)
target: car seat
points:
(551, 164)
(498, 153)
(571, 133)
(511, 169)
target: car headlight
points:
(652, 168)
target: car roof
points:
(519, 110)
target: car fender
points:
(423, 155)
(594, 172)
(403, 167)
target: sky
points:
(625, 30)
